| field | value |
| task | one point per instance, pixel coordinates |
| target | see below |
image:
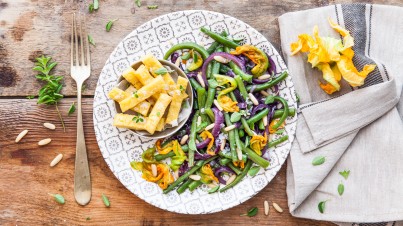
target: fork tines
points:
(77, 42)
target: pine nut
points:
(221, 59)
(195, 177)
(277, 207)
(253, 99)
(239, 153)
(49, 125)
(178, 61)
(197, 141)
(44, 142)
(223, 141)
(21, 135)
(209, 127)
(217, 105)
(228, 128)
(265, 121)
(154, 170)
(230, 179)
(212, 185)
(56, 160)
(266, 208)
(198, 121)
(184, 139)
(266, 76)
(264, 93)
(200, 79)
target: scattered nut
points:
(264, 93)
(154, 170)
(277, 207)
(49, 125)
(221, 59)
(229, 128)
(253, 99)
(195, 177)
(239, 153)
(200, 79)
(44, 142)
(265, 121)
(56, 160)
(230, 179)
(184, 139)
(218, 105)
(266, 76)
(223, 141)
(266, 208)
(21, 135)
(209, 127)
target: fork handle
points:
(82, 180)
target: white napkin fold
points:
(357, 129)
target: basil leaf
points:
(152, 7)
(318, 160)
(72, 109)
(91, 40)
(110, 24)
(235, 117)
(105, 200)
(345, 174)
(269, 100)
(251, 213)
(253, 171)
(186, 56)
(162, 71)
(321, 206)
(96, 4)
(214, 189)
(138, 3)
(340, 189)
(58, 198)
(212, 83)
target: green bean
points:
(232, 95)
(268, 84)
(210, 114)
(278, 141)
(185, 148)
(246, 127)
(187, 45)
(160, 157)
(219, 38)
(239, 177)
(258, 116)
(224, 161)
(212, 47)
(234, 168)
(192, 139)
(195, 105)
(241, 133)
(237, 70)
(231, 137)
(261, 125)
(280, 112)
(210, 97)
(241, 86)
(256, 158)
(224, 69)
(201, 92)
(192, 186)
(184, 186)
(225, 154)
(216, 65)
(285, 113)
(184, 176)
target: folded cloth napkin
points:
(358, 129)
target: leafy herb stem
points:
(60, 117)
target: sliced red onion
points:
(174, 57)
(252, 88)
(257, 108)
(183, 168)
(199, 156)
(203, 144)
(222, 169)
(193, 74)
(238, 96)
(230, 73)
(228, 56)
(219, 119)
(260, 81)
(242, 105)
(272, 69)
(275, 87)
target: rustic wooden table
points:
(30, 28)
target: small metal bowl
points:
(122, 84)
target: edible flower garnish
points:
(333, 57)
(239, 163)
(257, 143)
(163, 150)
(256, 55)
(207, 174)
(197, 61)
(180, 156)
(228, 104)
(204, 135)
(274, 122)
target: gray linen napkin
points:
(357, 129)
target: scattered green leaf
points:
(318, 160)
(253, 171)
(345, 174)
(162, 71)
(251, 212)
(340, 189)
(212, 190)
(88, 218)
(280, 131)
(212, 83)
(235, 117)
(72, 109)
(96, 4)
(138, 118)
(58, 198)
(91, 7)
(138, 3)
(321, 206)
(30, 97)
(158, 114)
(181, 88)
(186, 56)
(110, 24)
(195, 56)
(91, 40)
(105, 200)
(152, 7)
(135, 94)
(269, 99)
(297, 96)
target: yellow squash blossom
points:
(163, 150)
(204, 135)
(333, 57)
(256, 55)
(207, 174)
(180, 156)
(274, 122)
(228, 104)
(257, 143)
(239, 163)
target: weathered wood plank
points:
(26, 179)
(30, 28)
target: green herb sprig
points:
(345, 174)
(109, 25)
(106, 200)
(91, 40)
(58, 198)
(49, 94)
(318, 160)
(72, 109)
(137, 119)
(321, 206)
(251, 212)
(138, 3)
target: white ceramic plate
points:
(121, 146)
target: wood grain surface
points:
(30, 28)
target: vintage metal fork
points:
(80, 71)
